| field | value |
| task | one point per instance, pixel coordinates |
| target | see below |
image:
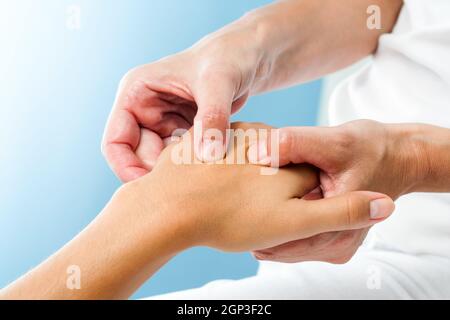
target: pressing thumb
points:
(295, 145)
(214, 100)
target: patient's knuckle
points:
(238, 124)
(259, 125)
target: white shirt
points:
(408, 81)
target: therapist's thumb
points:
(297, 145)
(352, 210)
(214, 99)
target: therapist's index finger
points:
(120, 146)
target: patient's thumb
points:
(352, 210)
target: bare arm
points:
(429, 148)
(113, 256)
(301, 40)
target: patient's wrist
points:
(158, 219)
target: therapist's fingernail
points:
(381, 208)
(257, 153)
(212, 150)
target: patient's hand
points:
(227, 206)
(234, 207)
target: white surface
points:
(377, 272)
(329, 85)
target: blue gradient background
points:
(56, 89)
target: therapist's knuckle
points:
(106, 149)
(285, 139)
(342, 259)
(286, 145)
(346, 239)
(345, 138)
(103, 148)
(321, 240)
(214, 114)
(130, 77)
(212, 71)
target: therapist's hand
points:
(275, 46)
(205, 83)
(359, 155)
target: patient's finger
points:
(353, 210)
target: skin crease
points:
(150, 220)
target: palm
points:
(145, 117)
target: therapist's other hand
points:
(233, 207)
(205, 83)
(359, 155)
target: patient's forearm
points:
(114, 257)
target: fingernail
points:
(257, 153)
(381, 208)
(212, 150)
